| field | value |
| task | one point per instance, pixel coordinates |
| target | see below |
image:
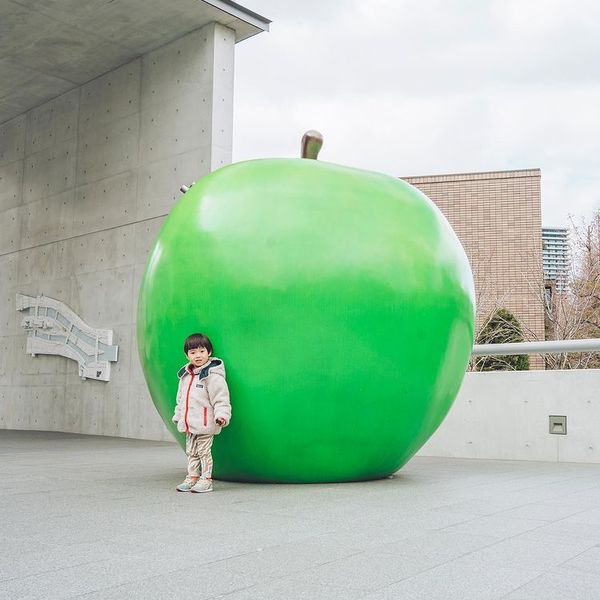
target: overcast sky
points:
(420, 87)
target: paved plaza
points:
(98, 518)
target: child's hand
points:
(221, 422)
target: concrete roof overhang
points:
(49, 47)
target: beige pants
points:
(197, 448)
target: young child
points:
(202, 409)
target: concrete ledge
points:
(504, 415)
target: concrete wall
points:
(504, 415)
(85, 183)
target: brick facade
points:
(497, 217)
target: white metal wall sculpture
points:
(53, 328)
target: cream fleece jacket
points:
(202, 398)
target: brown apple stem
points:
(311, 144)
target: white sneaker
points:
(187, 484)
(203, 485)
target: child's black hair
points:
(197, 340)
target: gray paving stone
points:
(438, 546)
(591, 516)
(542, 511)
(559, 584)
(562, 532)
(457, 579)
(287, 589)
(517, 553)
(291, 558)
(365, 571)
(98, 518)
(496, 526)
(588, 561)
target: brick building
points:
(497, 217)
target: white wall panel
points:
(11, 189)
(178, 69)
(104, 204)
(11, 230)
(505, 415)
(48, 219)
(12, 140)
(51, 123)
(167, 132)
(7, 359)
(115, 418)
(108, 149)
(43, 262)
(101, 250)
(102, 297)
(50, 171)
(110, 97)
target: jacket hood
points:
(214, 365)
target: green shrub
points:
(502, 328)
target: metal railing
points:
(550, 347)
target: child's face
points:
(198, 356)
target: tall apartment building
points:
(556, 256)
(497, 217)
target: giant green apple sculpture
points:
(341, 302)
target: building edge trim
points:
(240, 12)
(474, 176)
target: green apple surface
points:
(341, 302)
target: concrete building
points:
(497, 217)
(105, 110)
(556, 256)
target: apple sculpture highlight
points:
(340, 300)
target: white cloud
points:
(413, 87)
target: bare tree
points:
(574, 313)
(584, 293)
